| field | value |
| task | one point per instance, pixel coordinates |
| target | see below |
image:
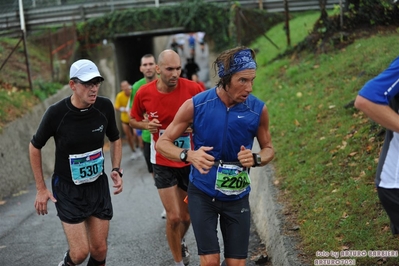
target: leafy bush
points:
(195, 15)
(43, 90)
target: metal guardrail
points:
(42, 13)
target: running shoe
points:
(184, 253)
(163, 214)
(134, 156)
(139, 153)
(63, 260)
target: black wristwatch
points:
(183, 155)
(257, 159)
(118, 170)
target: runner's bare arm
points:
(180, 123)
(200, 159)
(43, 194)
(381, 114)
(264, 138)
(116, 158)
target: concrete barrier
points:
(16, 173)
(268, 218)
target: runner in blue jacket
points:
(379, 100)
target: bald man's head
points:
(167, 56)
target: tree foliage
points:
(357, 16)
(195, 15)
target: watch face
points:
(258, 159)
(183, 155)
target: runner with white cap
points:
(80, 189)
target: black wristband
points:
(118, 170)
(257, 159)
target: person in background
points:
(194, 77)
(147, 67)
(201, 40)
(191, 68)
(379, 100)
(181, 41)
(160, 100)
(222, 156)
(174, 45)
(191, 44)
(121, 104)
(80, 188)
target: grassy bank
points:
(16, 98)
(326, 150)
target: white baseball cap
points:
(84, 70)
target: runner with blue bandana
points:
(225, 120)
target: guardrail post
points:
(287, 24)
(51, 53)
(27, 61)
(23, 30)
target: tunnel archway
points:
(130, 47)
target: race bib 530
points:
(86, 167)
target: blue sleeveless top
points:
(225, 129)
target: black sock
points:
(93, 262)
(68, 260)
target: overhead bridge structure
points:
(42, 13)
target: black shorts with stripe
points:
(234, 218)
(165, 176)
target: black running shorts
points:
(165, 176)
(147, 155)
(390, 201)
(75, 203)
(235, 217)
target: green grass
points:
(326, 154)
(14, 104)
(299, 29)
(15, 96)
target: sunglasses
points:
(96, 82)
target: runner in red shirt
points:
(160, 100)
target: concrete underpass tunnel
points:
(129, 51)
(130, 47)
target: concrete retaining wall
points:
(15, 173)
(267, 216)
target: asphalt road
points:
(137, 231)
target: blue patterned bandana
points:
(241, 60)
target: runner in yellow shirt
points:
(121, 104)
